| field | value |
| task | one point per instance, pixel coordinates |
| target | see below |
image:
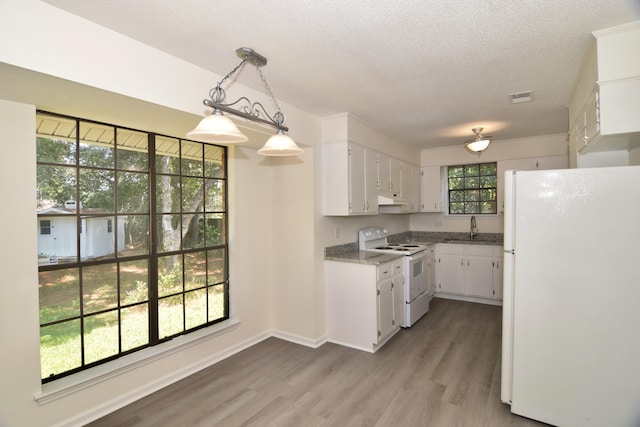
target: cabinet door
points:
(416, 176)
(385, 308)
(431, 276)
(384, 175)
(478, 276)
(451, 277)
(357, 201)
(552, 162)
(497, 277)
(371, 181)
(431, 193)
(395, 175)
(398, 300)
(406, 183)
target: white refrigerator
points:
(571, 313)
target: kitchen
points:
(300, 317)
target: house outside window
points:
(472, 189)
(141, 257)
(45, 227)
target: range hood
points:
(390, 199)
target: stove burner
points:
(410, 246)
(385, 247)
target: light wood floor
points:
(444, 371)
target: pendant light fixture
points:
(479, 143)
(218, 128)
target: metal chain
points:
(278, 117)
(217, 94)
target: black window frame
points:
(220, 247)
(478, 193)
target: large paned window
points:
(472, 189)
(132, 242)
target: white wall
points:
(273, 216)
(521, 148)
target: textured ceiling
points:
(421, 71)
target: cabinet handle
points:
(467, 263)
(435, 205)
(462, 262)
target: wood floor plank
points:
(443, 371)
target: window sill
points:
(82, 380)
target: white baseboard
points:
(298, 339)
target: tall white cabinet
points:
(350, 179)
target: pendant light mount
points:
(479, 143)
(217, 128)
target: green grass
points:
(60, 344)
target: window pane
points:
(192, 164)
(99, 287)
(472, 170)
(456, 196)
(456, 183)
(194, 237)
(214, 161)
(169, 275)
(214, 189)
(133, 148)
(133, 192)
(488, 182)
(55, 139)
(216, 302)
(472, 207)
(195, 270)
(60, 246)
(170, 316)
(456, 171)
(55, 185)
(471, 195)
(192, 194)
(136, 235)
(97, 191)
(488, 207)
(101, 334)
(456, 208)
(169, 227)
(59, 292)
(167, 155)
(215, 266)
(471, 182)
(215, 232)
(167, 193)
(95, 239)
(135, 326)
(60, 348)
(488, 169)
(196, 308)
(134, 279)
(96, 145)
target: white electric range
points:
(416, 298)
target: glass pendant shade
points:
(280, 144)
(478, 145)
(217, 128)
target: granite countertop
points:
(349, 252)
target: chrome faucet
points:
(474, 228)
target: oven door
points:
(416, 280)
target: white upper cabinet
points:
(530, 164)
(605, 106)
(349, 179)
(431, 190)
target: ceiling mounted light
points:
(218, 128)
(480, 143)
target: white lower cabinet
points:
(469, 272)
(365, 303)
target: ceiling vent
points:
(519, 97)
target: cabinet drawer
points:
(385, 270)
(398, 266)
